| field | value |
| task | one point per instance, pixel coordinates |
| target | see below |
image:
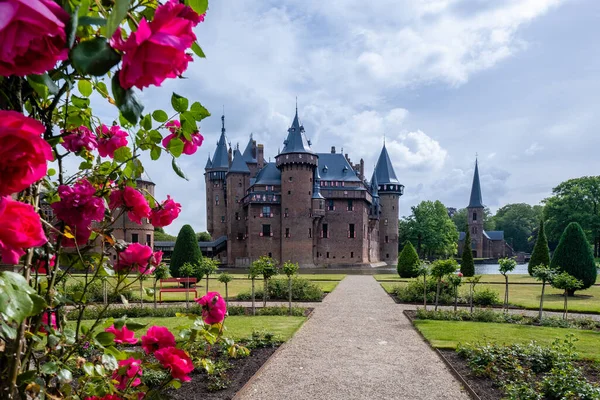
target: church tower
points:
(216, 187)
(475, 215)
(296, 162)
(389, 191)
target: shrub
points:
(186, 250)
(541, 252)
(94, 293)
(574, 256)
(408, 262)
(467, 265)
(302, 290)
(486, 297)
(413, 292)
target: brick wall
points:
(388, 228)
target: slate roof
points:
(338, 168)
(492, 235)
(374, 185)
(208, 163)
(238, 165)
(317, 185)
(296, 141)
(475, 200)
(384, 169)
(220, 159)
(248, 156)
(268, 175)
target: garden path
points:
(356, 345)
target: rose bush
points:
(214, 308)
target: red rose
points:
(20, 228)
(157, 337)
(110, 139)
(32, 36)
(165, 213)
(177, 361)
(23, 153)
(156, 50)
(132, 201)
(122, 335)
(128, 374)
(214, 308)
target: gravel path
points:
(356, 345)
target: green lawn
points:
(491, 278)
(448, 334)
(238, 327)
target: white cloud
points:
(533, 149)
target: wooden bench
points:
(189, 286)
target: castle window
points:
(134, 238)
(325, 231)
(350, 205)
(330, 205)
(327, 254)
(385, 221)
(266, 230)
(474, 216)
(351, 231)
(222, 219)
(237, 216)
(148, 239)
(351, 254)
(270, 254)
(290, 178)
(240, 236)
(387, 255)
(289, 192)
(287, 232)
(387, 239)
(310, 232)
(285, 213)
(217, 200)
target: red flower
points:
(79, 139)
(132, 201)
(214, 308)
(32, 36)
(165, 213)
(106, 397)
(41, 265)
(128, 374)
(122, 335)
(157, 337)
(110, 139)
(177, 361)
(20, 228)
(45, 322)
(156, 258)
(23, 153)
(189, 146)
(156, 50)
(136, 255)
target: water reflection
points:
(481, 269)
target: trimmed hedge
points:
(302, 290)
(574, 256)
(408, 262)
(541, 251)
(467, 265)
(186, 250)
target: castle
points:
(311, 208)
(484, 244)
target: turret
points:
(216, 187)
(318, 201)
(475, 215)
(238, 182)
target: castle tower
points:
(250, 156)
(216, 187)
(296, 162)
(389, 190)
(475, 215)
(238, 182)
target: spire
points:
(296, 141)
(249, 153)
(221, 156)
(384, 169)
(374, 185)
(316, 184)
(208, 163)
(476, 200)
(238, 165)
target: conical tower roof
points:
(238, 165)
(249, 156)
(476, 201)
(374, 185)
(296, 141)
(208, 163)
(384, 170)
(220, 158)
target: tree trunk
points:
(265, 285)
(542, 301)
(565, 316)
(290, 292)
(437, 294)
(141, 293)
(571, 292)
(455, 298)
(206, 283)
(471, 292)
(155, 282)
(253, 302)
(187, 294)
(226, 295)
(425, 291)
(506, 294)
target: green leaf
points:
(80, 102)
(110, 362)
(85, 88)
(65, 376)
(175, 147)
(134, 325)
(118, 354)
(118, 14)
(20, 301)
(178, 170)
(199, 111)
(200, 6)
(51, 172)
(88, 368)
(94, 57)
(72, 27)
(188, 124)
(42, 84)
(155, 153)
(105, 338)
(160, 116)
(49, 368)
(26, 377)
(175, 384)
(8, 331)
(123, 154)
(129, 105)
(198, 50)
(102, 89)
(155, 136)
(179, 103)
(85, 21)
(146, 122)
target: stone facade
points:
(306, 207)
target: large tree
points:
(518, 221)
(574, 256)
(575, 200)
(541, 253)
(186, 250)
(430, 230)
(460, 219)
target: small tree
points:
(506, 265)
(544, 274)
(440, 269)
(225, 278)
(574, 256)
(541, 252)
(268, 269)
(161, 272)
(186, 250)
(424, 271)
(408, 262)
(467, 264)
(472, 281)
(455, 280)
(253, 273)
(208, 266)
(187, 270)
(290, 269)
(567, 283)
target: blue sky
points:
(516, 82)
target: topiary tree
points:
(268, 268)
(290, 269)
(506, 266)
(186, 250)
(574, 256)
(440, 269)
(253, 273)
(544, 274)
(188, 270)
(225, 278)
(408, 262)
(455, 281)
(467, 264)
(541, 252)
(567, 283)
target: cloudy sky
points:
(515, 81)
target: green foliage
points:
(506, 265)
(208, 266)
(225, 277)
(189, 270)
(408, 262)
(162, 272)
(302, 290)
(486, 297)
(467, 265)
(543, 273)
(441, 268)
(566, 282)
(186, 250)
(574, 256)
(203, 236)
(77, 292)
(18, 301)
(413, 292)
(290, 268)
(518, 221)
(541, 252)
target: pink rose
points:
(110, 139)
(45, 321)
(122, 335)
(40, 267)
(105, 397)
(132, 201)
(128, 374)
(214, 308)
(460, 274)
(32, 36)
(20, 228)
(156, 258)
(79, 139)
(156, 50)
(78, 207)
(157, 337)
(177, 361)
(23, 153)
(136, 255)
(189, 146)
(165, 213)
